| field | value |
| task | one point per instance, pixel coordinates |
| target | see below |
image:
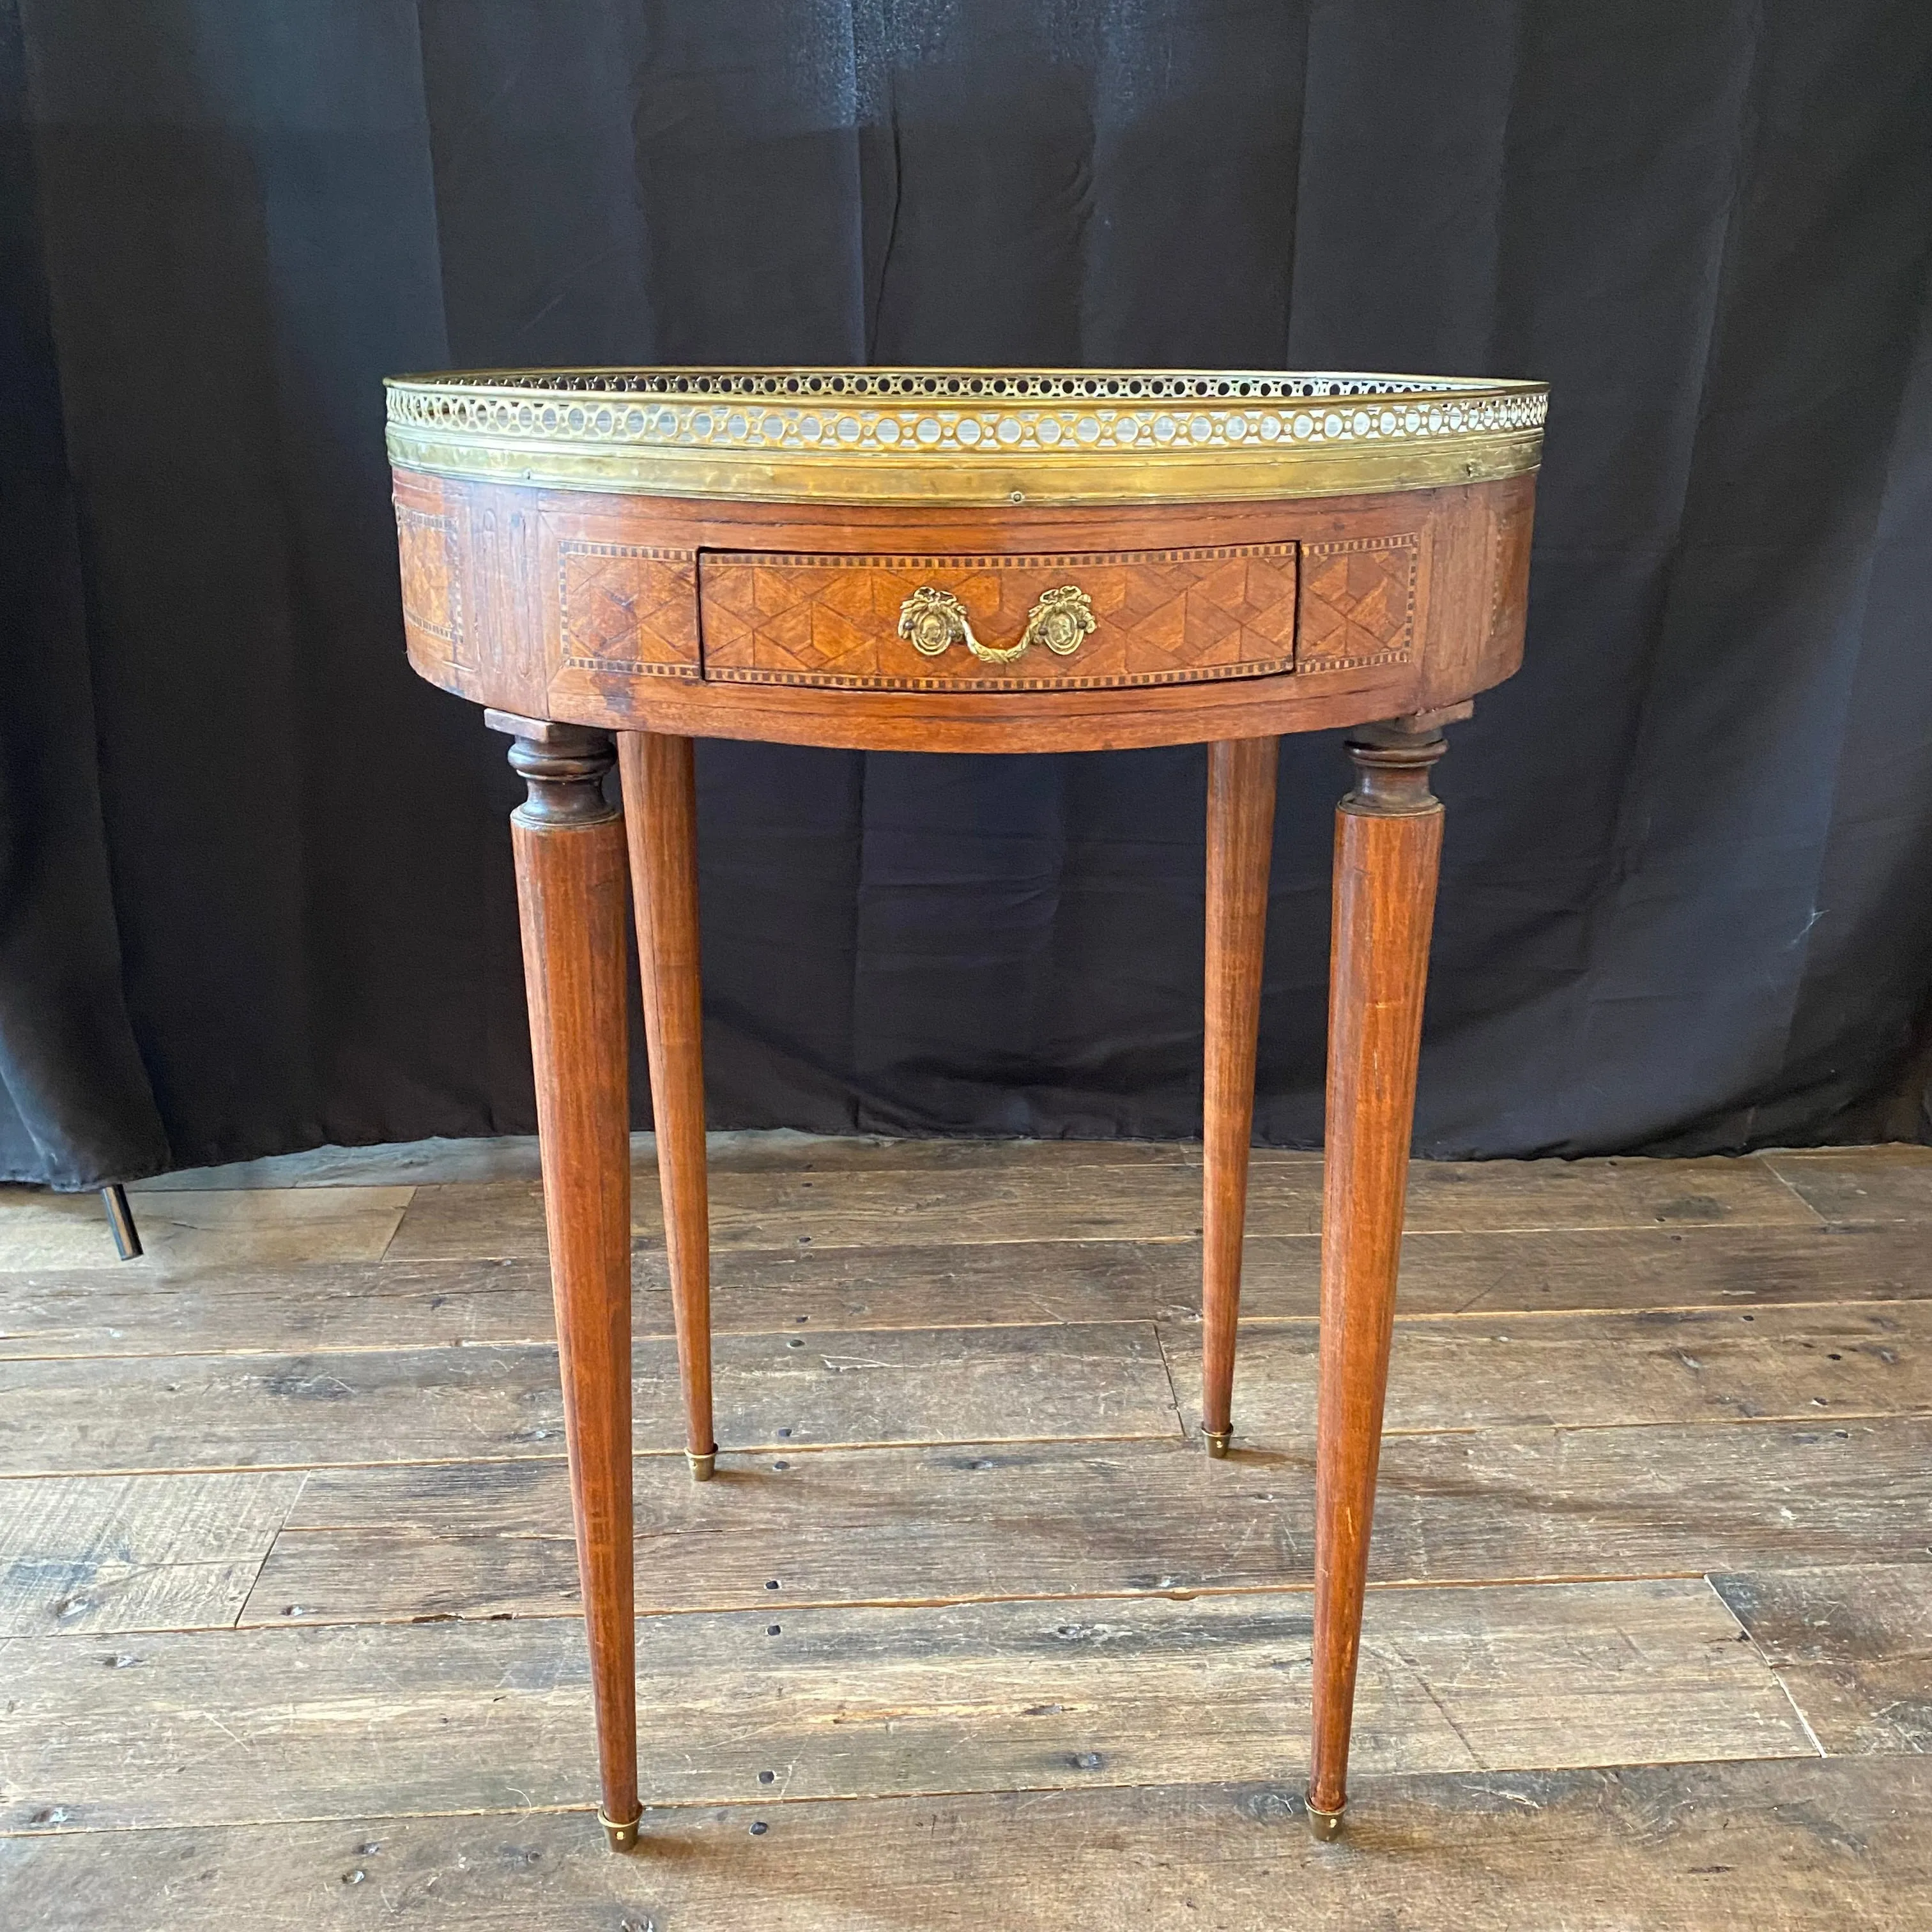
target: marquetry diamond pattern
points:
(1357, 600)
(1160, 617)
(1206, 612)
(626, 607)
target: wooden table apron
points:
(579, 616)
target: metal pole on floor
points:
(121, 1219)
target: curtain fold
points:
(76, 1108)
(256, 892)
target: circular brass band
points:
(1179, 477)
(1325, 1827)
(1044, 437)
(620, 1837)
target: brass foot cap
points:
(1323, 1826)
(623, 1837)
(1217, 1441)
(702, 1468)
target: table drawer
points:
(1082, 621)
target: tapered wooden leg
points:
(660, 812)
(1240, 837)
(1388, 839)
(569, 849)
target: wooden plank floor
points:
(968, 1633)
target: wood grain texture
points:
(346, 1306)
(568, 846)
(963, 1191)
(1108, 719)
(1061, 1381)
(616, 608)
(1851, 1186)
(1510, 518)
(1498, 1197)
(505, 597)
(1168, 617)
(1600, 1371)
(1853, 1646)
(915, 1587)
(661, 826)
(1793, 1844)
(514, 1157)
(1388, 843)
(1240, 841)
(268, 1227)
(1357, 603)
(763, 1211)
(1731, 1264)
(934, 1524)
(626, 607)
(88, 1555)
(339, 1722)
(63, 1415)
(337, 1307)
(502, 545)
(430, 556)
(784, 1152)
(1153, 1202)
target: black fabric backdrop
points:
(254, 882)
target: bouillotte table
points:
(961, 560)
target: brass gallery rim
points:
(965, 436)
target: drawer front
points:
(1078, 621)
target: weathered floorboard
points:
(515, 1157)
(1629, 1269)
(862, 1209)
(402, 1304)
(341, 1722)
(1792, 1844)
(1611, 1377)
(1144, 1201)
(299, 1309)
(901, 1385)
(254, 1226)
(1853, 1185)
(921, 1525)
(1096, 1381)
(1501, 1196)
(1675, 1365)
(97, 1553)
(1853, 1646)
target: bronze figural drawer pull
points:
(932, 621)
(788, 556)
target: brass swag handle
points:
(932, 620)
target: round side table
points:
(961, 560)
